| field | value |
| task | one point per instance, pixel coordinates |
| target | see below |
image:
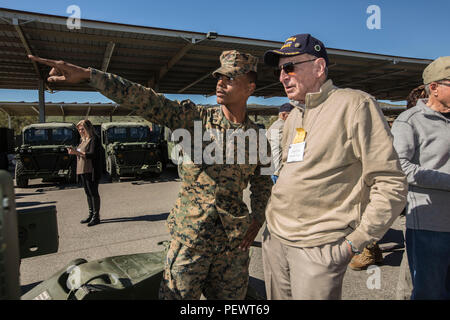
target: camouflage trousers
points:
(188, 273)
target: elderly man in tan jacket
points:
(340, 186)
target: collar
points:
(297, 104)
(314, 99)
(422, 104)
(219, 119)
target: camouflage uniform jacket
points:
(209, 213)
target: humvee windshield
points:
(129, 134)
(48, 136)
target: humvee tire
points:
(111, 168)
(21, 181)
(151, 175)
(72, 178)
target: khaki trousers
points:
(314, 273)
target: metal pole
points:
(41, 101)
(9, 122)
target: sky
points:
(411, 28)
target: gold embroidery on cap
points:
(286, 53)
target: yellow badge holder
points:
(299, 136)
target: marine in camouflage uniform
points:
(209, 220)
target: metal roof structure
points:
(173, 61)
(64, 109)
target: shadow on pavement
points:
(56, 187)
(149, 218)
(154, 180)
(21, 195)
(24, 289)
(32, 203)
(392, 240)
(393, 259)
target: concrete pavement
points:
(133, 215)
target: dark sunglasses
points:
(289, 67)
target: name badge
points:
(79, 150)
(296, 152)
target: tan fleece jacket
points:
(349, 184)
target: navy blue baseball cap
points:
(287, 107)
(295, 45)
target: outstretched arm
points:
(144, 101)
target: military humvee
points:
(131, 150)
(43, 153)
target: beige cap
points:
(439, 69)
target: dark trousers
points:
(429, 263)
(91, 189)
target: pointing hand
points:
(64, 72)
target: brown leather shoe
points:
(371, 255)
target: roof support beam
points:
(175, 59)
(108, 54)
(41, 101)
(373, 78)
(63, 113)
(25, 44)
(398, 87)
(111, 114)
(268, 86)
(195, 82)
(35, 109)
(359, 72)
(88, 111)
(271, 96)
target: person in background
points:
(89, 168)
(422, 140)
(404, 285)
(274, 135)
(372, 254)
(415, 94)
